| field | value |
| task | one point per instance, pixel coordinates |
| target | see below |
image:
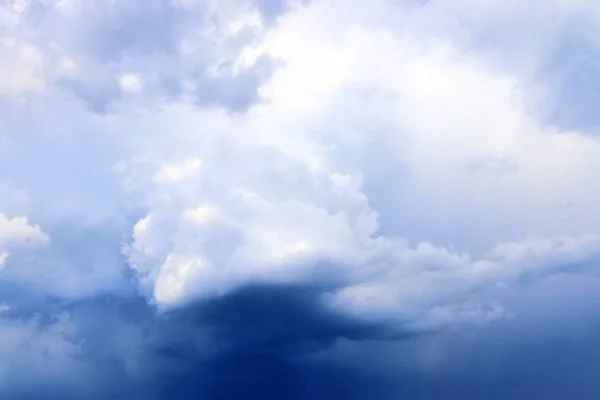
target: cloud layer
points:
(209, 177)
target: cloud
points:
(284, 176)
(239, 343)
(185, 352)
(16, 233)
(131, 83)
(22, 69)
(286, 181)
(17, 230)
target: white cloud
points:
(290, 190)
(21, 6)
(414, 279)
(67, 68)
(3, 258)
(21, 68)
(17, 231)
(389, 153)
(200, 215)
(131, 83)
(177, 171)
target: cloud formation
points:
(287, 176)
(16, 232)
(278, 194)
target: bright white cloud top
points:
(376, 147)
(15, 233)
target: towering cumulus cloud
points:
(299, 199)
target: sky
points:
(299, 199)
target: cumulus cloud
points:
(17, 232)
(284, 173)
(282, 192)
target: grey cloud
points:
(246, 339)
(235, 92)
(106, 39)
(72, 323)
(571, 75)
(124, 349)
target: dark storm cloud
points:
(277, 342)
(252, 341)
(273, 317)
(71, 324)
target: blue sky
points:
(299, 199)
